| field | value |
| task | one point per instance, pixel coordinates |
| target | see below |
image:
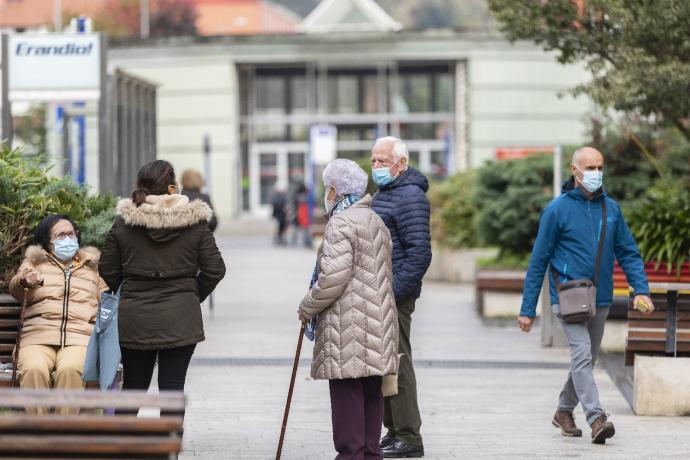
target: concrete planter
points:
(455, 266)
(661, 386)
(615, 336)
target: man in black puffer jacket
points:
(402, 204)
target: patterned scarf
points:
(340, 206)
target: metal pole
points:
(551, 334)
(6, 115)
(144, 18)
(557, 170)
(58, 16)
(207, 163)
(105, 123)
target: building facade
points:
(454, 98)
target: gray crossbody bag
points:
(578, 298)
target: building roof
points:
(348, 16)
(243, 17)
(31, 14)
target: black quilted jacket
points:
(404, 208)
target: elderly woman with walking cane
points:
(351, 310)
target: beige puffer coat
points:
(51, 319)
(357, 330)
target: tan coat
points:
(49, 319)
(357, 330)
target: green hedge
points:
(499, 204)
(453, 211)
(661, 224)
(28, 193)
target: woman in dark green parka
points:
(162, 255)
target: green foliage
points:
(508, 199)
(96, 228)
(28, 194)
(453, 211)
(637, 51)
(660, 223)
(505, 262)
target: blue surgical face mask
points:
(65, 248)
(592, 180)
(382, 176)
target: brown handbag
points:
(578, 298)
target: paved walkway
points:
(485, 391)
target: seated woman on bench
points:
(63, 289)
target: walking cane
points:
(15, 356)
(292, 386)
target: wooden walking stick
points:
(292, 386)
(15, 356)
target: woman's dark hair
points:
(153, 179)
(43, 229)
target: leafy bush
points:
(28, 194)
(508, 262)
(660, 223)
(508, 199)
(452, 211)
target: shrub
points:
(509, 197)
(452, 211)
(28, 194)
(660, 223)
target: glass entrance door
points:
(272, 167)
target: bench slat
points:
(9, 323)
(10, 311)
(641, 345)
(92, 399)
(90, 444)
(655, 324)
(8, 335)
(657, 335)
(88, 424)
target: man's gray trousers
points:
(584, 340)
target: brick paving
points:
(486, 391)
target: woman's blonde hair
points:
(192, 180)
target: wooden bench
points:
(10, 310)
(87, 435)
(664, 332)
(505, 281)
(9, 324)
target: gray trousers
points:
(584, 340)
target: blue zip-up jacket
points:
(404, 208)
(567, 240)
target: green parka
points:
(165, 258)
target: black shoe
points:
(387, 440)
(401, 449)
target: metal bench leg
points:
(672, 322)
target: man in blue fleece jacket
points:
(567, 242)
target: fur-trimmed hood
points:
(89, 255)
(164, 212)
(163, 217)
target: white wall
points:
(196, 96)
(514, 101)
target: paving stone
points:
(235, 411)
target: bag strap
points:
(602, 237)
(600, 249)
